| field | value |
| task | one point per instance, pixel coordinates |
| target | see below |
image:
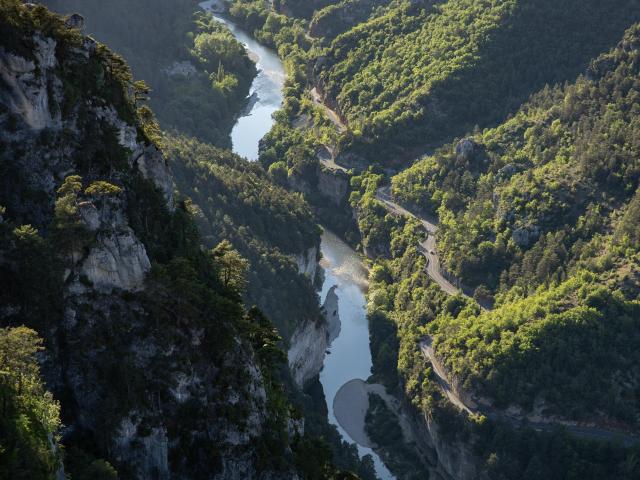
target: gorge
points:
(346, 337)
(406, 245)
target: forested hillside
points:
(159, 368)
(425, 71)
(526, 212)
(234, 199)
(539, 214)
(483, 154)
(198, 73)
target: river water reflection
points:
(350, 356)
(266, 91)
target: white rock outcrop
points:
(147, 158)
(27, 84)
(117, 260)
(151, 451)
(311, 340)
(308, 262)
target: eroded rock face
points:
(129, 383)
(334, 185)
(306, 355)
(76, 21)
(506, 172)
(446, 460)
(153, 166)
(145, 157)
(151, 451)
(117, 260)
(311, 340)
(465, 148)
(308, 262)
(525, 236)
(27, 91)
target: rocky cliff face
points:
(447, 460)
(160, 386)
(311, 340)
(333, 185)
(308, 262)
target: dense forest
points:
(234, 200)
(153, 278)
(198, 73)
(119, 320)
(476, 62)
(537, 214)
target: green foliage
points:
(16, 20)
(477, 62)
(383, 428)
(31, 277)
(101, 188)
(153, 36)
(232, 267)
(84, 466)
(563, 168)
(383, 334)
(374, 223)
(279, 173)
(30, 416)
(69, 233)
(568, 157)
(515, 454)
(235, 200)
(538, 347)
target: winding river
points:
(265, 93)
(349, 357)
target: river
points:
(265, 93)
(350, 356)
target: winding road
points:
(463, 400)
(460, 399)
(428, 246)
(332, 115)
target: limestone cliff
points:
(146, 354)
(447, 460)
(333, 184)
(311, 340)
(308, 262)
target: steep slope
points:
(536, 202)
(198, 73)
(538, 214)
(157, 365)
(30, 417)
(425, 71)
(274, 229)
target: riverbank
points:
(351, 404)
(345, 282)
(265, 95)
(349, 356)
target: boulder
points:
(76, 21)
(525, 236)
(465, 148)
